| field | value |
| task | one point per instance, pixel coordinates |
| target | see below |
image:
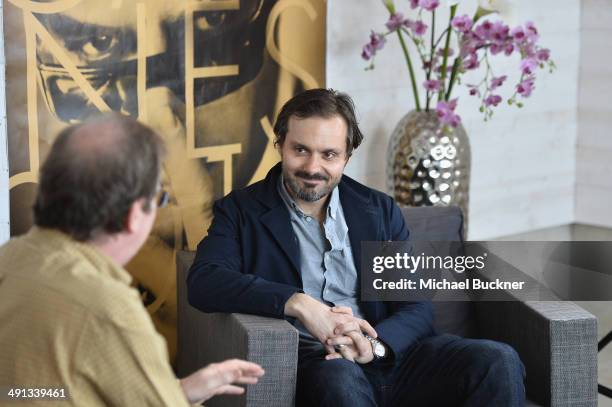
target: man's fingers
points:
(329, 349)
(340, 340)
(238, 371)
(343, 328)
(247, 368)
(333, 356)
(246, 380)
(217, 378)
(357, 325)
(229, 389)
(361, 343)
(252, 372)
(347, 353)
(367, 328)
(342, 310)
(346, 327)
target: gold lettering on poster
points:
(278, 56)
(270, 154)
(218, 153)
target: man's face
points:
(314, 156)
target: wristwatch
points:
(378, 349)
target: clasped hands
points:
(340, 332)
(349, 342)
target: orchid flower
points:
(466, 44)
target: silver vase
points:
(428, 165)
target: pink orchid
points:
(462, 23)
(498, 81)
(396, 21)
(429, 5)
(432, 85)
(543, 54)
(474, 41)
(377, 42)
(526, 87)
(528, 65)
(518, 34)
(531, 31)
(419, 28)
(484, 30)
(446, 113)
(493, 100)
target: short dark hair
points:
(324, 103)
(93, 174)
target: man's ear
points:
(134, 216)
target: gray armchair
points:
(557, 341)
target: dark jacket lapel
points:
(276, 219)
(363, 221)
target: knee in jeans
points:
(335, 382)
(498, 356)
(340, 369)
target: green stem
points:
(417, 45)
(431, 55)
(457, 62)
(411, 70)
(453, 10)
(453, 77)
(442, 35)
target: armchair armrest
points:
(207, 338)
(557, 342)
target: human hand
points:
(220, 378)
(349, 342)
(356, 324)
(352, 346)
(322, 321)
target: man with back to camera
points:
(289, 247)
(70, 320)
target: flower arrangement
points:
(477, 39)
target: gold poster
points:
(208, 75)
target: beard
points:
(309, 193)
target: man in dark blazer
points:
(289, 247)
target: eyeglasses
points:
(163, 197)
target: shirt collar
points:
(334, 203)
(57, 241)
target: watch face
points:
(379, 350)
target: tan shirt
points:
(69, 319)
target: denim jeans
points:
(442, 370)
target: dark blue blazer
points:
(249, 261)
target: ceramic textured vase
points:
(427, 164)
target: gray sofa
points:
(557, 341)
